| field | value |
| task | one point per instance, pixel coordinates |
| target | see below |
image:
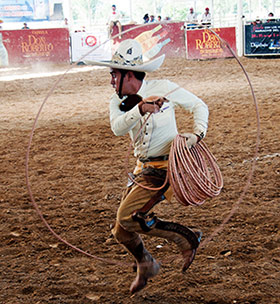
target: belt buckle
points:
(130, 180)
(144, 160)
(152, 159)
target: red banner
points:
(203, 44)
(28, 46)
(158, 38)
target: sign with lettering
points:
(28, 46)
(204, 44)
(262, 39)
(90, 46)
(24, 10)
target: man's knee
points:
(126, 221)
(121, 234)
(124, 216)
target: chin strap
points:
(123, 72)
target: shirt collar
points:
(142, 90)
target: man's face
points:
(128, 85)
(115, 79)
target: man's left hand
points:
(191, 139)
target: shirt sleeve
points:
(191, 103)
(118, 16)
(122, 122)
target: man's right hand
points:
(151, 104)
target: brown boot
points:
(189, 255)
(147, 267)
(186, 239)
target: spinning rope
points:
(198, 161)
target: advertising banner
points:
(24, 10)
(84, 46)
(262, 39)
(28, 46)
(203, 44)
(157, 39)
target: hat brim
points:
(149, 66)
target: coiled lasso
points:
(193, 173)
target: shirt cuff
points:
(134, 114)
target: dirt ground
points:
(76, 171)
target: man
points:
(152, 18)
(25, 27)
(146, 18)
(270, 17)
(134, 100)
(192, 18)
(206, 18)
(114, 20)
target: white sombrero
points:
(129, 56)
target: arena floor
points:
(76, 171)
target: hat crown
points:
(129, 53)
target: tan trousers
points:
(134, 198)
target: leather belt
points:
(154, 159)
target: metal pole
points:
(259, 8)
(212, 12)
(130, 10)
(239, 28)
(273, 7)
(89, 14)
(250, 10)
(69, 15)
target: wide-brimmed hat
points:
(129, 56)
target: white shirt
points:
(192, 17)
(114, 16)
(159, 131)
(206, 18)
